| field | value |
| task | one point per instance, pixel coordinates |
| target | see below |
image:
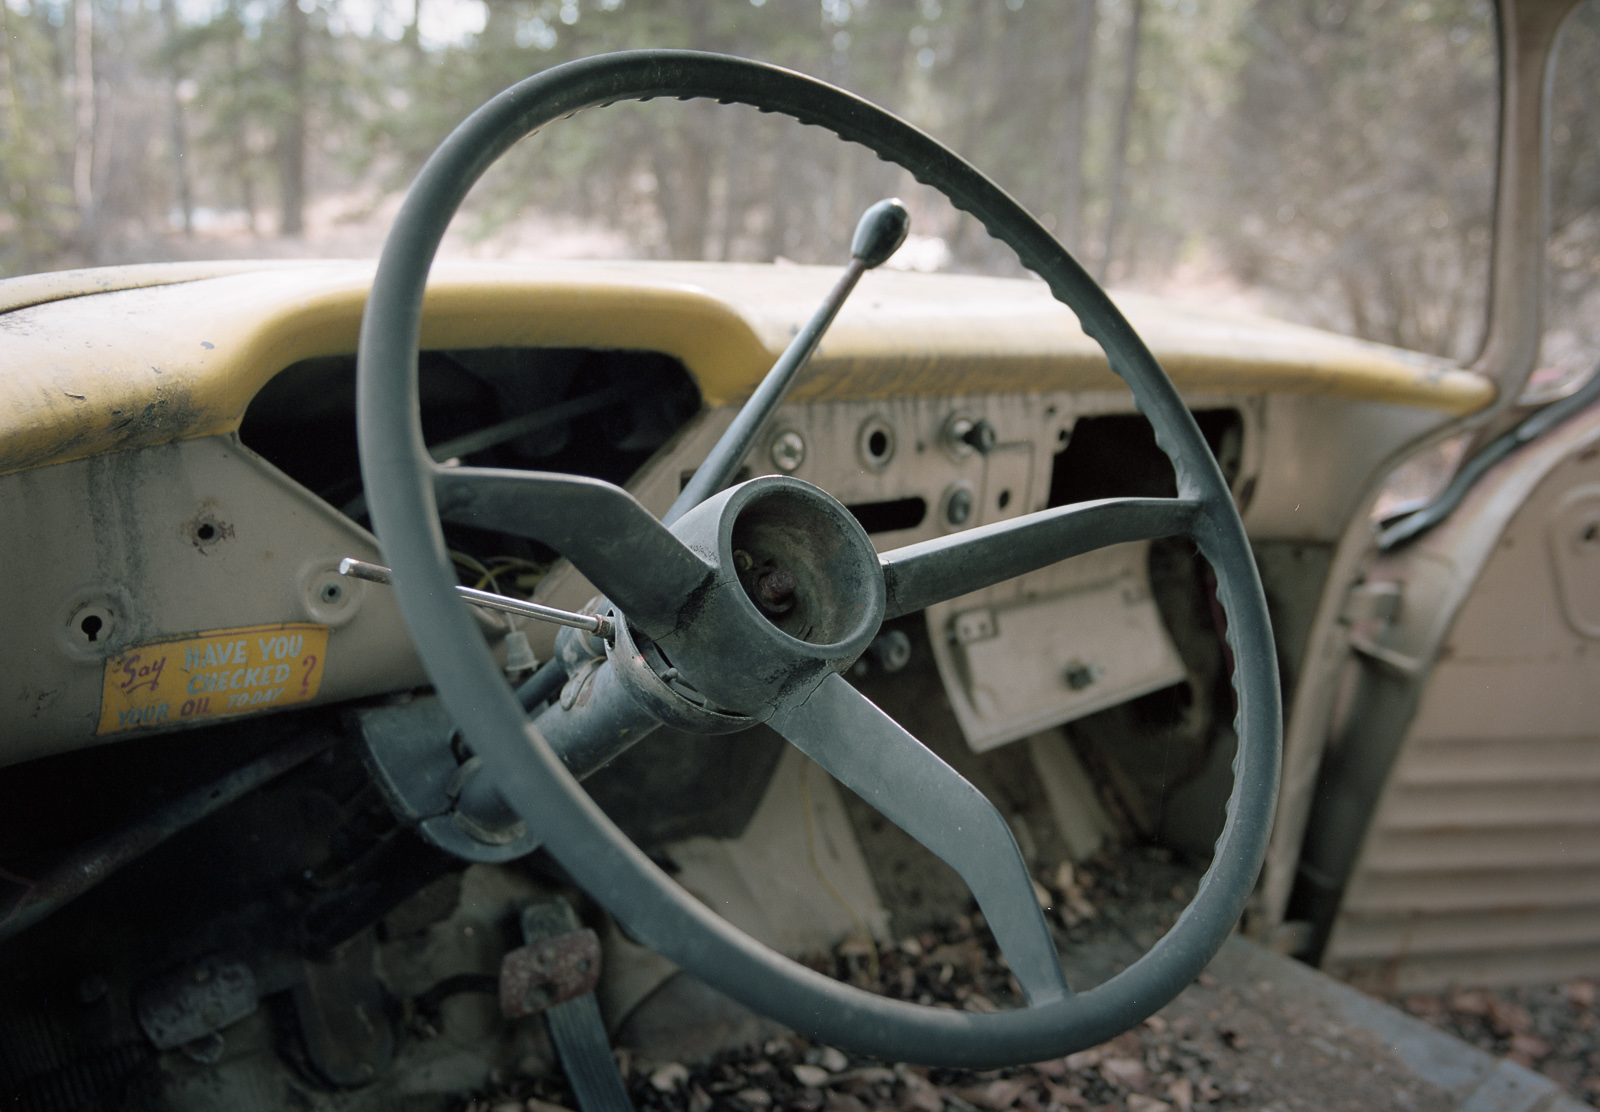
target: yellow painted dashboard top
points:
(105, 360)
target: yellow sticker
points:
(212, 675)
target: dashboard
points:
(181, 482)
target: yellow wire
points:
(816, 867)
(498, 565)
(463, 560)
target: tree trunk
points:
(1074, 110)
(1119, 151)
(292, 135)
(83, 95)
(180, 144)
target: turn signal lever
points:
(614, 692)
(880, 233)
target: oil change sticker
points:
(212, 675)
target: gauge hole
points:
(206, 531)
(91, 625)
(875, 443)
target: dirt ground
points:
(1217, 1048)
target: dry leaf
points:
(1528, 1049)
(832, 1059)
(534, 1104)
(1508, 1018)
(668, 1077)
(1127, 1072)
(996, 1096)
(1138, 1102)
(1065, 1097)
(1579, 993)
(812, 1077)
(1084, 1059)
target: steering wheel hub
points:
(796, 592)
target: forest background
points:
(1328, 161)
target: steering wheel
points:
(681, 596)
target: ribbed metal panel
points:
(1481, 865)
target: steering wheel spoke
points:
(872, 755)
(919, 575)
(628, 555)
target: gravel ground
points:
(1550, 1028)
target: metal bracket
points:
(409, 752)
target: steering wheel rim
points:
(399, 479)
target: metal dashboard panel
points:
(110, 553)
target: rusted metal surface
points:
(551, 971)
(88, 866)
(196, 1001)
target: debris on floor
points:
(1552, 1028)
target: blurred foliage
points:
(1572, 296)
(1332, 157)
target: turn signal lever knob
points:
(880, 233)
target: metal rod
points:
(88, 866)
(594, 623)
(881, 231)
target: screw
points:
(788, 450)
